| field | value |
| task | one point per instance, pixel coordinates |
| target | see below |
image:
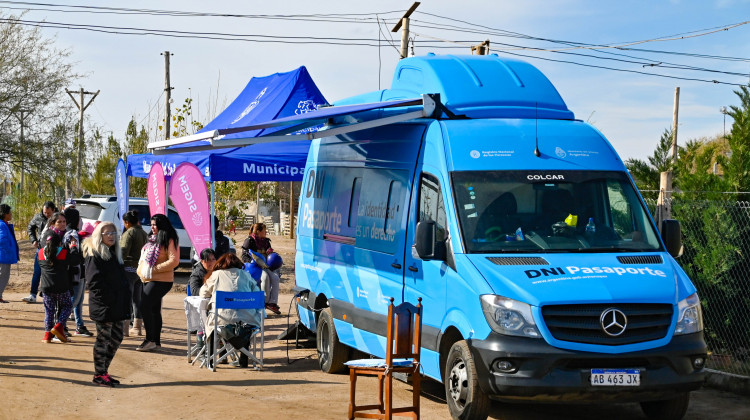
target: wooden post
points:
(291, 210)
(167, 97)
(403, 23)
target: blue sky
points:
(631, 109)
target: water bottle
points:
(590, 227)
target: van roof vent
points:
(641, 259)
(518, 260)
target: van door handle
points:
(413, 268)
(397, 266)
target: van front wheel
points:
(466, 400)
(331, 354)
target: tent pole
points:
(291, 209)
(213, 212)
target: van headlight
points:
(691, 316)
(508, 316)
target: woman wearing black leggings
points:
(161, 256)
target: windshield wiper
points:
(613, 249)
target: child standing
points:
(54, 261)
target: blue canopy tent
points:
(264, 99)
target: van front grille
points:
(581, 323)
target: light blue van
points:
(541, 272)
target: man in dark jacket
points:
(208, 259)
(36, 226)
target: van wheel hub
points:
(458, 383)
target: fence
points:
(716, 240)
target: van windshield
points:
(560, 211)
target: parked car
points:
(99, 208)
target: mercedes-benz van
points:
(541, 272)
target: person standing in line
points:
(55, 260)
(109, 297)
(132, 242)
(8, 248)
(160, 256)
(73, 219)
(35, 228)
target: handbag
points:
(142, 269)
(237, 334)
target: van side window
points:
(354, 203)
(431, 205)
(380, 210)
(174, 219)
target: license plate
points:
(615, 377)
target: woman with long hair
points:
(8, 248)
(256, 241)
(228, 275)
(109, 297)
(132, 242)
(54, 260)
(160, 257)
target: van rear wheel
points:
(672, 409)
(466, 400)
(331, 353)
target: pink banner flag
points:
(190, 197)
(156, 190)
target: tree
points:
(33, 76)
(136, 142)
(647, 174)
(102, 179)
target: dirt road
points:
(40, 380)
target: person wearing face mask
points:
(109, 297)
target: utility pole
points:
(167, 96)
(481, 49)
(21, 119)
(664, 204)
(81, 107)
(404, 23)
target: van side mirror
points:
(428, 248)
(671, 233)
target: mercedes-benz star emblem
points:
(613, 322)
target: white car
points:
(99, 208)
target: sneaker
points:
(67, 332)
(3, 301)
(273, 308)
(103, 380)
(111, 379)
(59, 332)
(29, 299)
(147, 346)
(57, 340)
(47, 337)
(82, 331)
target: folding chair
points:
(195, 313)
(239, 300)
(403, 347)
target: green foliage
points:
(647, 174)
(136, 142)
(182, 123)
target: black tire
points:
(466, 400)
(331, 354)
(671, 409)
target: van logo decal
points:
(475, 154)
(560, 153)
(613, 322)
(545, 177)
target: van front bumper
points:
(549, 373)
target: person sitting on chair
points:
(200, 269)
(228, 275)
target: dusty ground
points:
(40, 380)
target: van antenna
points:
(537, 153)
